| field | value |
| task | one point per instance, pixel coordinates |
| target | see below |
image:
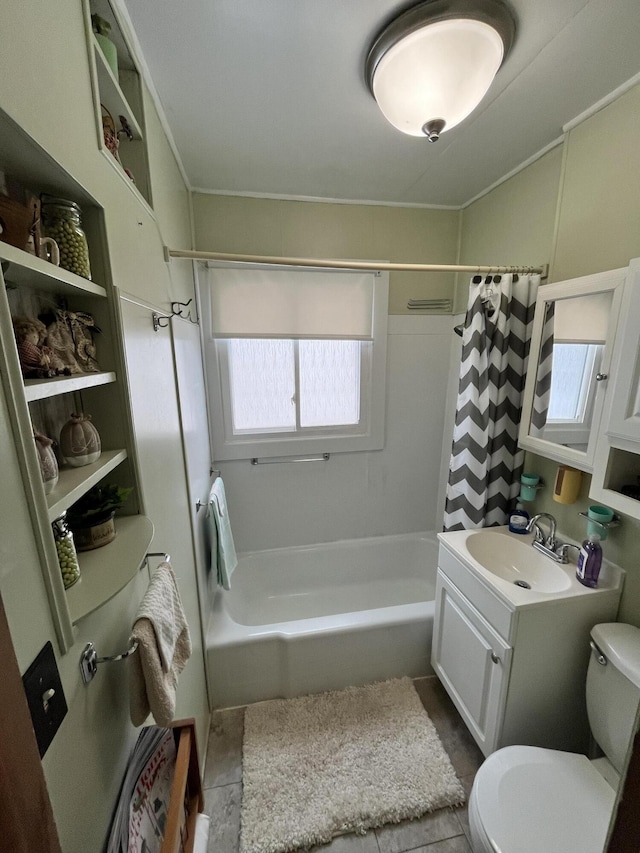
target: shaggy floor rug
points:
(344, 761)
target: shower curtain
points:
(485, 466)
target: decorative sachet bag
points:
(70, 336)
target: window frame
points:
(368, 435)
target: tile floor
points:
(445, 831)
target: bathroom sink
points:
(517, 562)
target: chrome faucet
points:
(550, 541)
(548, 545)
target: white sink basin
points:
(517, 562)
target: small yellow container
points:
(567, 485)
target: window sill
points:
(226, 451)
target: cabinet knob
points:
(600, 377)
(495, 658)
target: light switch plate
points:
(45, 697)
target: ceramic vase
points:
(79, 441)
(47, 460)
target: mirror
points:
(570, 355)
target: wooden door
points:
(26, 817)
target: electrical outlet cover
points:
(45, 697)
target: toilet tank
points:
(613, 688)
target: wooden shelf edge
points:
(47, 276)
(105, 571)
(123, 175)
(74, 482)
(41, 389)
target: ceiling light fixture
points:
(430, 67)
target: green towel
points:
(223, 558)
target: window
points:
(290, 386)
(295, 388)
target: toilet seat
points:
(531, 800)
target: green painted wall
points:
(513, 224)
(318, 230)
(599, 209)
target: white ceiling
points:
(269, 96)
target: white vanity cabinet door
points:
(473, 663)
(617, 459)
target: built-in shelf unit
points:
(117, 96)
(30, 285)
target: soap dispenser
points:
(589, 561)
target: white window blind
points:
(294, 304)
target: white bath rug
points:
(344, 761)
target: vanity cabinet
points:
(515, 671)
(617, 463)
(473, 662)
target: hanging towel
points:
(223, 558)
(164, 647)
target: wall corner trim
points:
(602, 103)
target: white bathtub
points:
(321, 617)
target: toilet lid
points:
(532, 800)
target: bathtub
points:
(321, 617)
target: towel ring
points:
(89, 660)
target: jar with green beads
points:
(61, 220)
(67, 556)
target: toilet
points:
(526, 799)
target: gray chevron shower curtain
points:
(485, 466)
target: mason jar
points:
(61, 221)
(67, 556)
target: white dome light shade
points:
(439, 72)
(431, 66)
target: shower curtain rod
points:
(349, 265)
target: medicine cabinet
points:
(616, 475)
(28, 286)
(567, 384)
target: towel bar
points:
(215, 473)
(89, 660)
(276, 460)
(166, 557)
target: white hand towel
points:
(162, 606)
(224, 559)
(152, 688)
